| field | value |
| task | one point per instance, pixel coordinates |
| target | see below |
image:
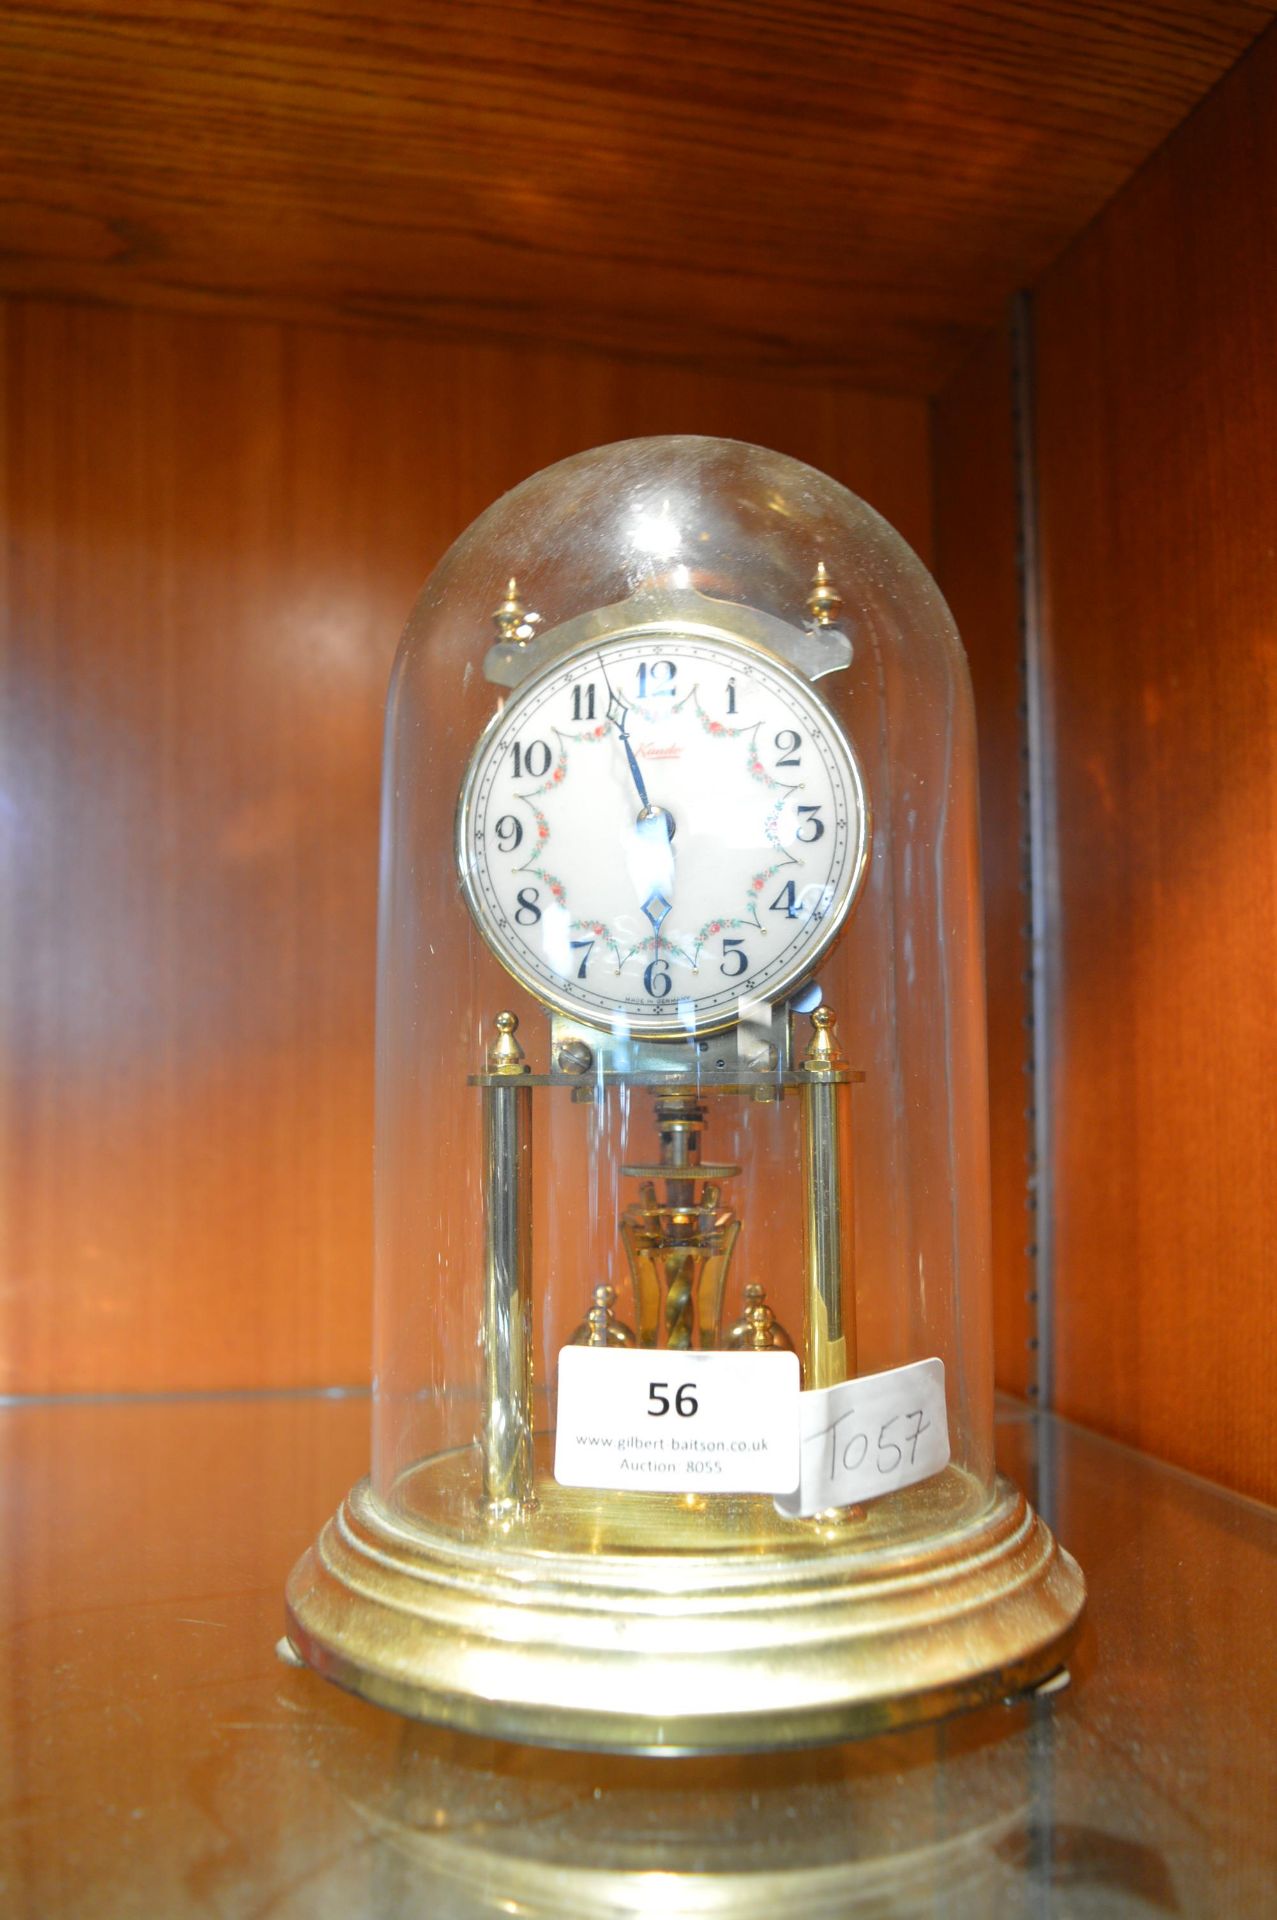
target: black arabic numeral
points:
(656, 679)
(812, 828)
(786, 902)
(656, 979)
(509, 832)
(583, 707)
(532, 760)
(528, 912)
(731, 696)
(658, 1399)
(733, 949)
(789, 745)
(577, 946)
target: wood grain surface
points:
(976, 545)
(847, 192)
(1157, 423)
(215, 531)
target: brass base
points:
(658, 1653)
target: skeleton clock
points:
(683, 1402)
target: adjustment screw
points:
(573, 1056)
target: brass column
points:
(829, 1308)
(507, 1303)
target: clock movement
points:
(683, 1425)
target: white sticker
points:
(870, 1436)
(649, 1420)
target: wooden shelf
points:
(845, 194)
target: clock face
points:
(661, 826)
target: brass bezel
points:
(656, 1028)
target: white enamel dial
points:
(661, 828)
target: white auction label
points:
(871, 1436)
(649, 1420)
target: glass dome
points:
(680, 1051)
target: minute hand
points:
(634, 769)
(618, 713)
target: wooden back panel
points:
(216, 530)
(1157, 419)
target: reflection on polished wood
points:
(847, 192)
(157, 1758)
(215, 532)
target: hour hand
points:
(651, 864)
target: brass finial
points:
(505, 1055)
(823, 1055)
(515, 625)
(762, 1328)
(600, 1327)
(758, 1330)
(824, 602)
